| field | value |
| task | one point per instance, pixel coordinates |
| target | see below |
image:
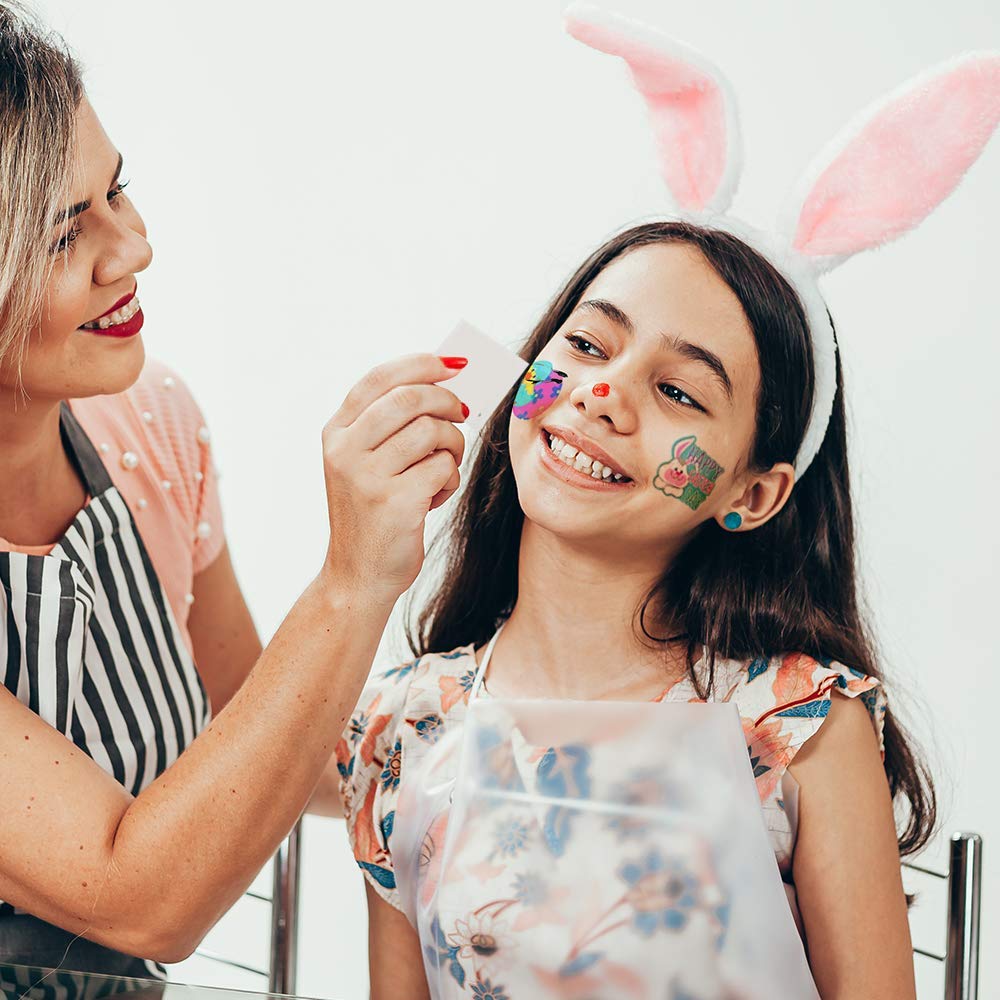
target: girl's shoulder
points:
(401, 709)
(795, 686)
(783, 701)
(419, 693)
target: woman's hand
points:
(150, 875)
(391, 453)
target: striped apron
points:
(88, 642)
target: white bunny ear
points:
(692, 106)
(896, 162)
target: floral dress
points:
(781, 702)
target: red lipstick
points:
(127, 327)
(124, 300)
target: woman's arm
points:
(225, 640)
(395, 964)
(846, 863)
(226, 647)
(149, 876)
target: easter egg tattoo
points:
(538, 390)
(689, 475)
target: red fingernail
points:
(465, 410)
(455, 362)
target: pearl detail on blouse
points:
(105, 447)
(168, 383)
(189, 599)
(204, 529)
(166, 484)
(199, 476)
(129, 460)
(203, 435)
(143, 503)
(147, 416)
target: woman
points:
(123, 631)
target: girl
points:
(664, 515)
(640, 513)
(123, 630)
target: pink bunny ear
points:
(897, 161)
(692, 106)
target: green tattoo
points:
(689, 475)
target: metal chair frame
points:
(964, 877)
(284, 899)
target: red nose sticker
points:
(602, 389)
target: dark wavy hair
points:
(787, 586)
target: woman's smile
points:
(123, 319)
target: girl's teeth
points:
(580, 461)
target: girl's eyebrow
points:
(610, 311)
(81, 206)
(671, 342)
(703, 355)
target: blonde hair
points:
(40, 92)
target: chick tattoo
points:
(689, 475)
(538, 390)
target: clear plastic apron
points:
(593, 850)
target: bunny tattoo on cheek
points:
(689, 475)
(538, 390)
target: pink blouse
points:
(154, 443)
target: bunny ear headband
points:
(879, 177)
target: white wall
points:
(327, 185)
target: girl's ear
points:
(763, 498)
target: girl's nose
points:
(602, 401)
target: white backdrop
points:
(330, 184)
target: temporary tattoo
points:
(601, 389)
(690, 474)
(538, 390)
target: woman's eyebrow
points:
(678, 345)
(81, 206)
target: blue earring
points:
(732, 520)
